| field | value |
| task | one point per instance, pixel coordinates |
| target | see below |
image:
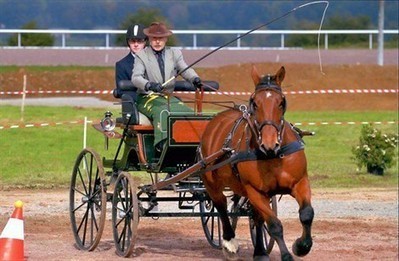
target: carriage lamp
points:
(108, 123)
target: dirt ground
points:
(373, 235)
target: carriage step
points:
(189, 189)
(191, 180)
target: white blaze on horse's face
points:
(268, 119)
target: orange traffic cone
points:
(12, 237)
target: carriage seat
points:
(127, 93)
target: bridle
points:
(258, 126)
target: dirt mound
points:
(299, 77)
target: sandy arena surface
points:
(351, 224)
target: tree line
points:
(146, 16)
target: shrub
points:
(32, 39)
(376, 151)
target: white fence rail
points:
(195, 34)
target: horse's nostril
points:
(267, 151)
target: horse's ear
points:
(280, 75)
(255, 75)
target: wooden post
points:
(23, 98)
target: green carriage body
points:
(96, 181)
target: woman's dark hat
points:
(135, 31)
(157, 30)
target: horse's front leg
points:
(301, 193)
(230, 245)
(262, 204)
(215, 191)
(260, 253)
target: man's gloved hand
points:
(117, 93)
(197, 82)
(153, 86)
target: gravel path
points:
(345, 204)
(62, 101)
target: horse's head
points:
(267, 106)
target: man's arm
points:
(189, 74)
(138, 74)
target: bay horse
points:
(264, 157)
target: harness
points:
(233, 157)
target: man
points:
(152, 68)
(136, 41)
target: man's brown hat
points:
(157, 29)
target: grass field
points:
(44, 156)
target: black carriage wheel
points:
(211, 223)
(268, 241)
(125, 214)
(87, 200)
(237, 206)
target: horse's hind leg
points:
(301, 192)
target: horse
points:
(264, 157)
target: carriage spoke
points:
(82, 182)
(123, 235)
(85, 226)
(78, 207)
(82, 221)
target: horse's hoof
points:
(230, 249)
(261, 258)
(301, 247)
(287, 257)
(229, 255)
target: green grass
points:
(44, 156)
(329, 152)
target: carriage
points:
(96, 180)
(245, 156)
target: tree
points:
(337, 22)
(32, 39)
(340, 22)
(303, 40)
(145, 17)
